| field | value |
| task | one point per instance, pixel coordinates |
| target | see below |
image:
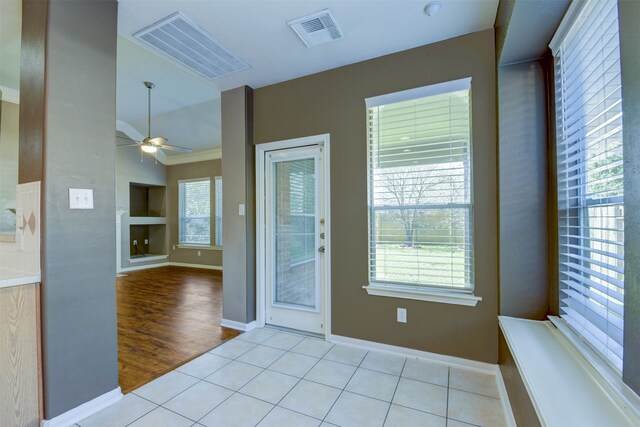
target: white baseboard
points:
(437, 358)
(204, 266)
(239, 326)
(165, 264)
(409, 352)
(504, 398)
(85, 410)
(142, 267)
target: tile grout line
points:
(319, 383)
(143, 415)
(165, 408)
(238, 391)
(394, 392)
(298, 380)
(345, 386)
(263, 369)
(233, 392)
(294, 386)
(446, 408)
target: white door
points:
(294, 251)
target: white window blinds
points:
(590, 178)
(218, 224)
(194, 222)
(420, 184)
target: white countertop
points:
(10, 277)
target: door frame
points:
(261, 152)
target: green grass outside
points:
(426, 265)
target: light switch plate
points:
(241, 209)
(80, 198)
(402, 315)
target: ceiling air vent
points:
(187, 43)
(317, 28)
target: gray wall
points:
(238, 187)
(333, 102)
(129, 169)
(523, 165)
(78, 292)
(629, 13)
(210, 168)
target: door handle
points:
(321, 249)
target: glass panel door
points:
(295, 236)
(294, 239)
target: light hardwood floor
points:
(19, 356)
(166, 317)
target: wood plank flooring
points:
(166, 317)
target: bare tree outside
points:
(412, 189)
(409, 189)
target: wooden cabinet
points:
(19, 356)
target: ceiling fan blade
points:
(132, 142)
(126, 138)
(156, 140)
(174, 148)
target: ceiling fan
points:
(151, 144)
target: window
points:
(218, 225)
(299, 202)
(590, 178)
(420, 180)
(194, 222)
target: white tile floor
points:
(268, 377)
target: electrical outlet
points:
(402, 315)
(135, 243)
(146, 241)
(173, 247)
(199, 253)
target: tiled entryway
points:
(271, 378)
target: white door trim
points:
(261, 150)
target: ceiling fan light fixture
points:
(149, 148)
(432, 8)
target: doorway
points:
(293, 234)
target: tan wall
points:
(333, 102)
(210, 168)
(521, 405)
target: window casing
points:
(194, 214)
(420, 189)
(590, 177)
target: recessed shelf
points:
(147, 220)
(147, 200)
(149, 239)
(148, 257)
(147, 223)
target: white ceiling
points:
(187, 107)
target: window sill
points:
(201, 247)
(608, 375)
(564, 387)
(445, 297)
